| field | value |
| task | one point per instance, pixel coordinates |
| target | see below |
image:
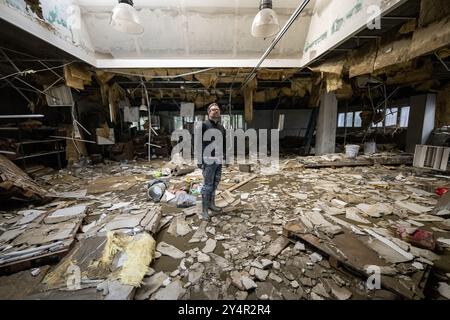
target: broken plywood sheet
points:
(124, 221)
(35, 241)
(115, 265)
(29, 216)
(350, 251)
(84, 255)
(66, 214)
(119, 183)
(47, 233)
(16, 183)
(14, 260)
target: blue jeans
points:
(211, 179)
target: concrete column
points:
(421, 120)
(326, 125)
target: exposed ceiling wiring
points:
(160, 77)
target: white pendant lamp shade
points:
(125, 18)
(266, 22)
(143, 106)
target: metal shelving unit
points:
(57, 144)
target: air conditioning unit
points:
(59, 96)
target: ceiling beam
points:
(195, 63)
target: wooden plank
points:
(44, 258)
(347, 250)
(18, 181)
(25, 264)
(237, 186)
(336, 164)
(389, 243)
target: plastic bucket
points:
(351, 150)
(370, 148)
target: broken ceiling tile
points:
(277, 246)
(30, 216)
(210, 246)
(174, 291)
(408, 256)
(352, 214)
(119, 205)
(412, 207)
(124, 221)
(179, 227)
(338, 203)
(65, 214)
(169, 250)
(443, 241)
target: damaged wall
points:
(58, 22)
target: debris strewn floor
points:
(297, 233)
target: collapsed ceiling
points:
(391, 56)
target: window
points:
(358, 121)
(404, 117)
(281, 122)
(349, 120)
(341, 120)
(226, 121)
(391, 117)
(177, 123)
(238, 121)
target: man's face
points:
(214, 113)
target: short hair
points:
(212, 105)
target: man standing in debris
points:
(211, 164)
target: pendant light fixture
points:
(125, 18)
(143, 106)
(265, 24)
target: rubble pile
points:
(296, 233)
